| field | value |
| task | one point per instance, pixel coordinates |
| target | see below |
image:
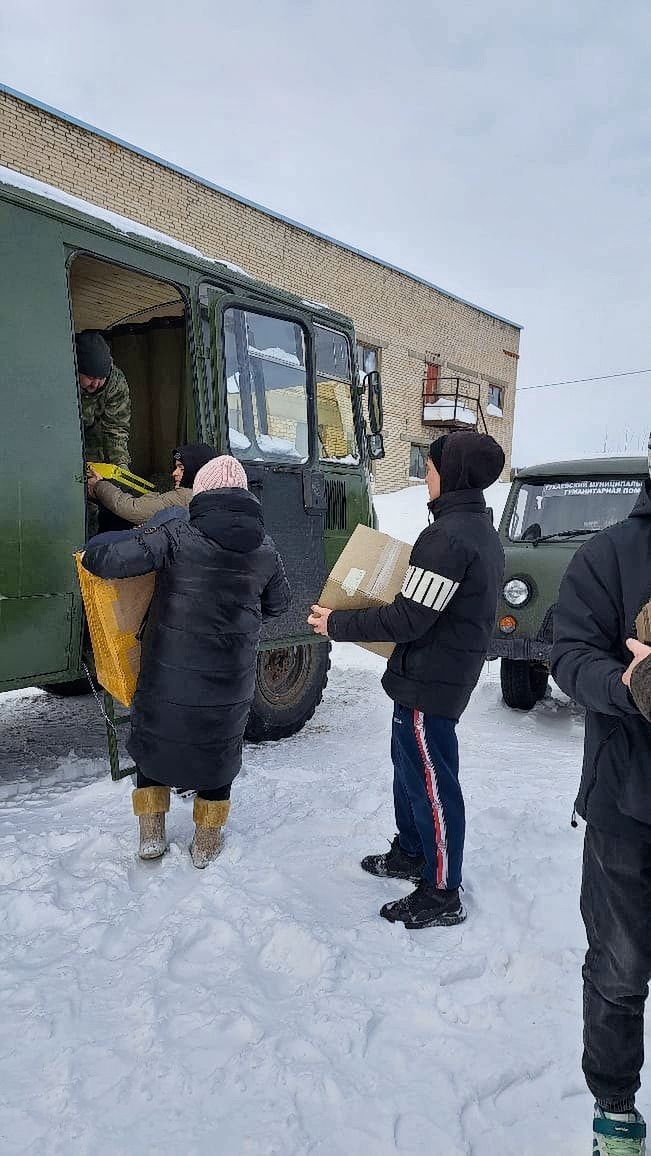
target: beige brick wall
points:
(410, 321)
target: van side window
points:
(266, 382)
(336, 425)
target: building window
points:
(418, 461)
(495, 400)
(368, 358)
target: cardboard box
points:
(369, 572)
(643, 624)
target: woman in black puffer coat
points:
(218, 576)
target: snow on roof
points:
(122, 224)
(56, 112)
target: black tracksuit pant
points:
(219, 794)
(616, 910)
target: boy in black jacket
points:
(441, 622)
(605, 586)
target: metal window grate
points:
(336, 512)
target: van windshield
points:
(561, 508)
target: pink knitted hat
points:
(220, 473)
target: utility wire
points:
(579, 380)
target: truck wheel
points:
(523, 683)
(289, 687)
(72, 689)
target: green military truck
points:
(551, 510)
(211, 355)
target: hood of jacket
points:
(642, 508)
(467, 501)
(230, 517)
(470, 461)
(193, 457)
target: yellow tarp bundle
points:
(115, 610)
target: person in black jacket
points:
(218, 576)
(442, 623)
(605, 586)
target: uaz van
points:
(551, 510)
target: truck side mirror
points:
(375, 446)
(375, 407)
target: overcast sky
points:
(500, 150)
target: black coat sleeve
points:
(139, 552)
(277, 595)
(437, 567)
(588, 632)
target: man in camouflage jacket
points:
(105, 401)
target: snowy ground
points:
(262, 1007)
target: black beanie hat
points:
(468, 460)
(192, 458)
(93, 354)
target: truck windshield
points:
(578, 506)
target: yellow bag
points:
(115, 609)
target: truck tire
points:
(289, 687)
(523, 683)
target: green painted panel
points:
(36, 636)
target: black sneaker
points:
(395, 864)
(427, 906)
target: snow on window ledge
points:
(238, 440)
(281, 446)
(276, 354)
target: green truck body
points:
(169, 315)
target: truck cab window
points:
(266, 382)
(335, 421)
(582, 505)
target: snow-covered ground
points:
(262, 1007)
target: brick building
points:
(441, 358)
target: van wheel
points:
(289, 686)
(523, 683)
(72, 689)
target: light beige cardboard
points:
(369, 572)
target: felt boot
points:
(209, 817)
(150, 805)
